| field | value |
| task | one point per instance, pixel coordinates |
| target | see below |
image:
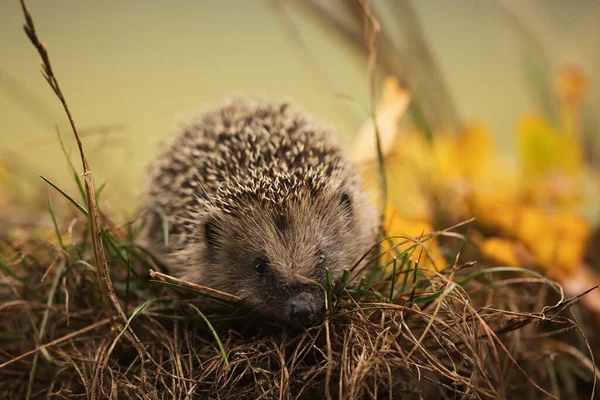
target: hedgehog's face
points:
(275, 258)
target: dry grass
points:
(79, 320)
(445, 335)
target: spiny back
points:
(243, 151)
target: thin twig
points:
(165, 277)
(50, 77)
(102, 269)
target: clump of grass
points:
(395, 330)
(435, 334)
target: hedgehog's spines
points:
(231, 150)
(262, 174)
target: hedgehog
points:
(260, 201)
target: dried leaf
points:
(394, 103)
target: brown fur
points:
(250, 181)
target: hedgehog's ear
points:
(346, 204)
(212, 233)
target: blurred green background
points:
(135, 66)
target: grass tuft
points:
(447, 333)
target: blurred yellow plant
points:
(551, 163)
(553, 241)
(501, 250)
(528, 211)
(430, 259)
(405, 192)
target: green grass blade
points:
(212, 330)
(138, 311)
(434, 295)
(508, 269)
(340, 291)
(393, 280)
(136, 249)
(73, 201)
(364, 292)
(361, 111)
(71, 166)
(415, 278)
(117, 248)
(382, 171)
(56, 230)
(405, 261)
(358, 290)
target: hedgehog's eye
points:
(261, 265)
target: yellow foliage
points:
(551, 164)
(501, 251)
(465, 164)
(494, 212)
(396, 225)
(407, 169)
(394, 103)
(543, 149)
(473, 151)
(561, 241)
(555, 240)
(531, 208)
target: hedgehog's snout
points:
(301, 309)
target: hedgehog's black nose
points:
(301, 311)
